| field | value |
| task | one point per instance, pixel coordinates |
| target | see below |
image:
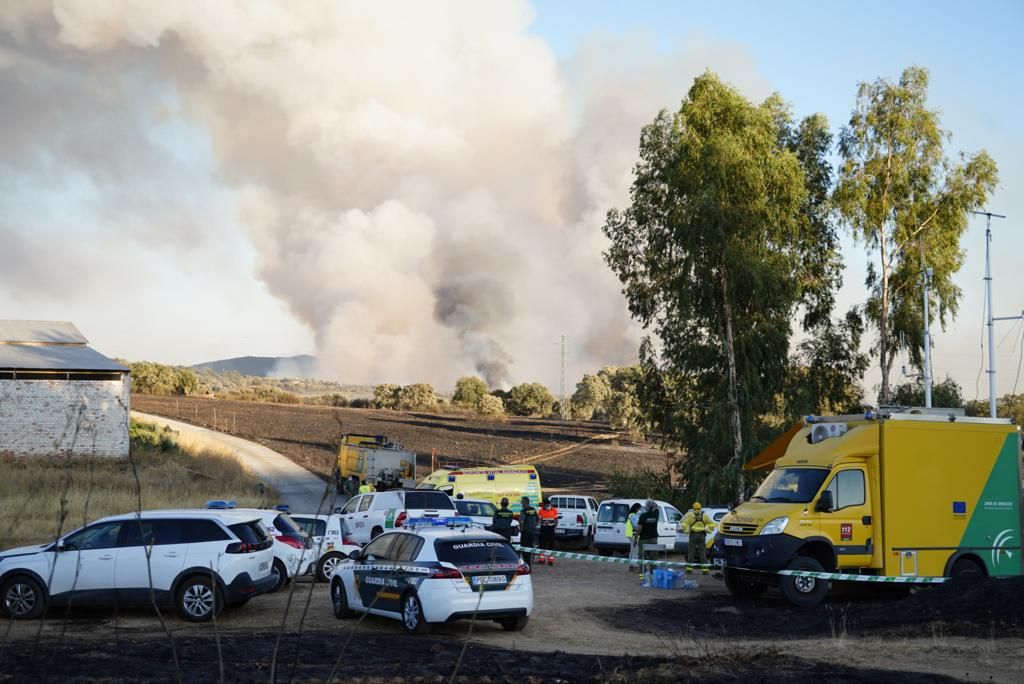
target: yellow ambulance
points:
(491, 484)
(914, 494)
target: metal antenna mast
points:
(991, 320)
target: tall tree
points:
(725, 237)
(906, 201)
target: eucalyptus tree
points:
(907, 202)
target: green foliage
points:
(417, 397)
(591, 395)
(647, 483)
(468, 391)
(727, 234)
(945, 394)
(530, 399)
(490, 405)
(1007, 406)
(152, 378)
(903, 198)
(151, 435)
(185, 381)
(386, 396)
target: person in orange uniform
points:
(548, 522)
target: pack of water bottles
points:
(667, 578)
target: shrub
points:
(386, 396)
(417, 397)
(490, 405)
(469, 390)
(529, 399)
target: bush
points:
(360, 403)
(469, 390)
(489, 405)
(386, 396)
(417, 397)
(592, 393)
(529, 399)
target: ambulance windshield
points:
(790, 485)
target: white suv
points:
(195, 561)
(369, 515)
(611, 525)
(293, 549)
(577, 519)
(434, 574)
(331, 542)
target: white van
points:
(611, 525)
(577, 519)
(368, 515)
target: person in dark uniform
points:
(529, 524)
(502, 521)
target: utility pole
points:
(926, 276)
(988, 302)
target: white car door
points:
(152, 553)
(87, 560)
(668, 521)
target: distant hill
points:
(303, 366)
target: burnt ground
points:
(992, 608)
(370, 658)
(309, 435)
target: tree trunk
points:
(733, 390)
(885, 365)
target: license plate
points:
(488, 579)
(733, 542)
(561, 531)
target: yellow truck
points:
(895, 495)
(374, 459)
(491, 484)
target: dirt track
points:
(599, 614)
(309, 435)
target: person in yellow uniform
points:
(367, 488)
(697, 524)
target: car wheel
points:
(966, 569)
(326, 565)
(516, 624)
(740, 587)
(804, 591)
(339, 599)
(23, 598)
(586, 542)
(376, 532)
(280, 574)
(199, 599)
(412, 615)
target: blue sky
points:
(815, 54)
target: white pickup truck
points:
(577, 519)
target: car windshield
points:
(790, 485)
(285, 525)
(477, 508)
(475, 551)
(428, 500)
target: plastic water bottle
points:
(659, 578)
(689, 584)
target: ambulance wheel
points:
(339, 599)
(412, 615)
(740, 587)
(803, 591)
(516, 624)
(966, 569)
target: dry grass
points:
(43, 497)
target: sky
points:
(144, 200)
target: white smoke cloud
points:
(423, 183)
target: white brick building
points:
(58, 396)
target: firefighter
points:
(529, 523)
(697, 524)
(548, 515)
(366, 488)
(502, 521)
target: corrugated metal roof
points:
(41, 332)
(44, 357)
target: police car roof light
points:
(219, 504)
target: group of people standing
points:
(535, 527)
(642, 532)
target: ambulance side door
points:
(849, 524)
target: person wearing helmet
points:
(697, 524)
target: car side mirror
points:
(354, 555)
(825, 503)
(59, 546)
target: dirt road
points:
(591, 621)
(303, 491)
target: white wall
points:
(80, 417)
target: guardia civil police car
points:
(435, 570)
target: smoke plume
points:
(423, 183)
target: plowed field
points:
(576, 455)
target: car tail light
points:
(291, 541)
(522, 569)
(242, 547)
(579, 519)
(446, 573)
(350, 542)
(400, 520)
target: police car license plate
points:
(732, 542)
(479, 580)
